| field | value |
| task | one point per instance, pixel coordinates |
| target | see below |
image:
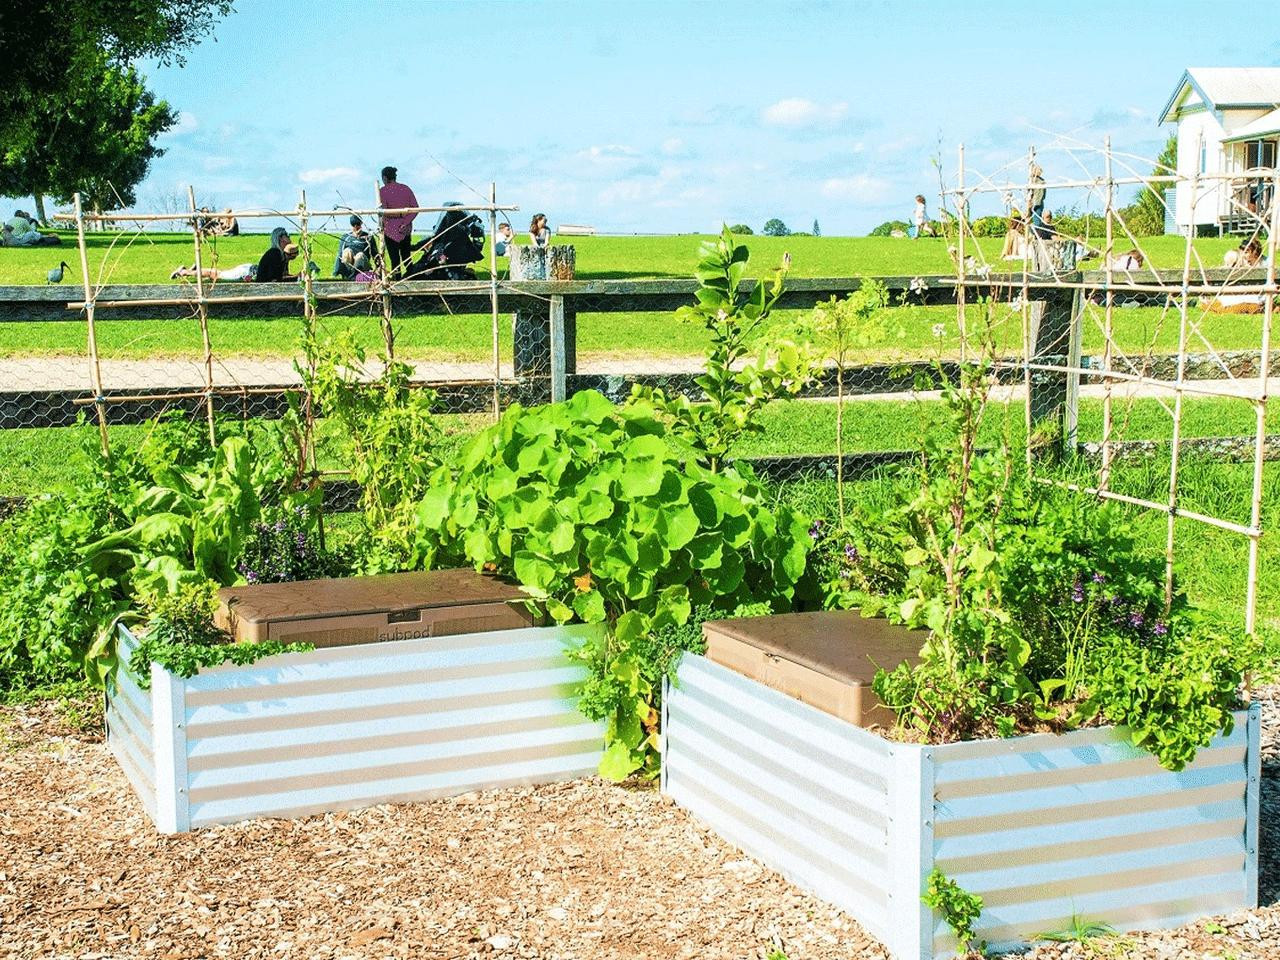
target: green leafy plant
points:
(1079, 931)
(834, 331)
(388, 428)
(284, 547)
(735, 385)
(957, 908)
(182, 637)
(591, 509)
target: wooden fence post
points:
(1052, 320)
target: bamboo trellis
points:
(1192, 280)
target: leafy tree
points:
(99, 141)
(741, 228)
(775, 228)
(816, 232)
(1145, 216)
(53, 49)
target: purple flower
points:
(1077, 591)
(1160, 629)
(815, 531)
(851, 553)
(1098, 578)
(1136, 620)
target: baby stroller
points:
(456, 242)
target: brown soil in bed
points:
(576, 870)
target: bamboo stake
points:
(95, 368)
(1104, 478)
(388, 331)
(1260, 413)
(202, 313)
(1025, 311)
(493, 296)
(309, 320)
(960, 290)
(1183, 305)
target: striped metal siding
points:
(1044, 827)
(129, 727)
(800, 790)
(354, 726)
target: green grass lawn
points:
(150, 258)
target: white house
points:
(1234, 114)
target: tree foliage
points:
(775, 228)
(1145, 216)
(74, 114)
(99, 141)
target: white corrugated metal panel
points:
(804, 792)
(1047, 827)
(334, 729)
(129, 728)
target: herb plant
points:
(284, 547)
(182, 637)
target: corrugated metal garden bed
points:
(1046, 828)
(352, 726)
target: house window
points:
(1204, 158)
(1259, 153)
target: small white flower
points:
(939, 330)
(919, 285)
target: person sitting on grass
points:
(227, 225)
(21, 232)
(539, 232)
(356, 251)
(271, 268)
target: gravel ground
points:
(576, 870)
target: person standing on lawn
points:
(397, 229)
(921, 217)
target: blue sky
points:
(671, 117)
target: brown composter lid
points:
(314, 599)
(841, 644)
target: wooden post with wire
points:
(1260, 413)
(95, 367)
(202, 313)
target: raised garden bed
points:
(352, 726)
(1043, 827)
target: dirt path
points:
(575, 871)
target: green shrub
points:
(592, 510)
(889, 227)
(990, 226)
(742, 229)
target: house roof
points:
(1224, 87)
(1268, 125)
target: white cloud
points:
(328, 175)
(797, 113)
(608, 152)
(861, 188)
(673, 146)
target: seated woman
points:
(1015, 239)
(1248, 256)
(227, 225)
(1129, 260)
(539, 232)
(356, 251)
(21, 232)
(272, 267)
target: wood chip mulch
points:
(576, 870)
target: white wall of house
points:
(1199, 148)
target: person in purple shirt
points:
(397, 229)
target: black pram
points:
(456, 241)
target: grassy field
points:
(151, 257)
